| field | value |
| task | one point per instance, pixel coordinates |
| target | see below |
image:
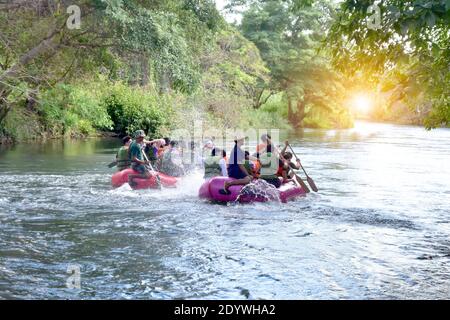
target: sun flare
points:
(362, 103)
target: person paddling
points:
(236, 168)
(286, 164)
(136, 157)
(285, 169)
(122, 159)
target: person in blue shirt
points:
(236, 167)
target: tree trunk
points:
(296, 116)
(300, 113)
(290, 111)
(45, 45)
(30, 102)
(258, 101)
(4, 107)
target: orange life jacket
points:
(257, 168)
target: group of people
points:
(267, 163)
(144, 156)
(164, 155)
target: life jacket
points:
(269, 165)
(123, 160)
(161, 151)
(212, 167)
(257, 168)
(257, 165)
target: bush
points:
(131, 109)
(74, 110)
(271, 115)
(20, 124)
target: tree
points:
(38, 50)
(411, 39)
(233, 75)
(288, 34)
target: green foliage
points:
(133, 109)
(101, 105)
(288, 34)
(234, 66)
(21, 124)
(272, 114)
(164, 64)
(74, 110)
(160, 35)
(233, 72)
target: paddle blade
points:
(312, 184)
(112, 164)
(158, 181)
(302, 184)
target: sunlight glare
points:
(362, 103)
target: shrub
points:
(20, 124)
(74, 110)
(131, 109)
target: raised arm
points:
(286, 143)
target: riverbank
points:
(42, 139)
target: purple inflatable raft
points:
(210, 191)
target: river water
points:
(378, 228)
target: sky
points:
(229, 17)
(221, 3)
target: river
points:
(378, 228)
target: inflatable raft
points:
(120, 178)
(210, 191)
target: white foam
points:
(187, 186)
(260, 189)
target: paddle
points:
(112, 164)
(151, 170)
(308, 178)
(300, 182)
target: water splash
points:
(187, 187)
(259, 190)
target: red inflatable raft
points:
(120, 178)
